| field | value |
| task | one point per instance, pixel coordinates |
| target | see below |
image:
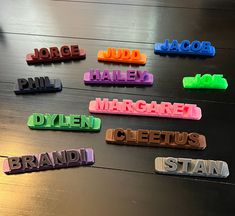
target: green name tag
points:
(64, 122)
(207, 81)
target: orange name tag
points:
(122, 55)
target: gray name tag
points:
(191, 167)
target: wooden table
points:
(122, 181)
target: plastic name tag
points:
(62, 122)
(156, 138)
(141, 108)
(203, 48)
(191, 167)
(206, 81)
(38, 85)
(54, 54)
(122, 55)
(117, 77)
(47, 161)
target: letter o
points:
(206, 78)
(44, 53)
(195, 46)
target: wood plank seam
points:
(93, 39)
(133, 94)
(146, 5)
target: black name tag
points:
(37, 85)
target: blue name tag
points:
(203, 48)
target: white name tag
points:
(191, 167)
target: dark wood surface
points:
(122, 180)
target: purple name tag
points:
(46, 161)
(118, 77)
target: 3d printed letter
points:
(206, 81)
(38, 85)
(46, 161)
(141, 108)
(191, 167)
(122, 55)
(203, 48)
(62, 122)
(118, 77)
(156, 138)
(54, 54)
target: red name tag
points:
(54, 54)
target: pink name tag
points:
(141, 108)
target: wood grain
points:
(201, 4)
(17, 139)
(122, 180)
(84, 191)
(168, 71)
(118, 22)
